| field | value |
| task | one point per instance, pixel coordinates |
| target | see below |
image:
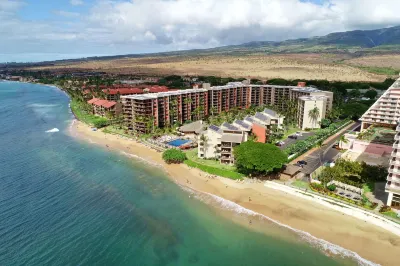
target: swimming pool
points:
(178, 142)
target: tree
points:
(342, 140)
(371, 94)
(174, 156)
(354, 110)
(313, 114)
(257, 158)
(355, 93)
(204, 139)
(325, 122)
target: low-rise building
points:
(218, 142)
(102, 107)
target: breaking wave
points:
(53, 130)
(327, 247)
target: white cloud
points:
(122, 26)
(66, 14)
(76, 2)
(200, 22)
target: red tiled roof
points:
(93, 101)
(100, 102)
(109, 104)
(123, 91)
(86, 92)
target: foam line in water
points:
(325, 246)
(53, 130)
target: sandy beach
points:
(369, 241)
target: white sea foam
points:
(53, 130)
(142, 159)
(327, 247)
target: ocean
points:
(64, 201)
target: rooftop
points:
(229, 137)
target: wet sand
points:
(369, 241)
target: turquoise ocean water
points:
(68, 202)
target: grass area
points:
(378, 135)
(291, 130)
(391, 214)
(369, 187)
(116, 130)
(192, 156)
(215, 171)
(301, 184)
(380, 70)
(79, 111)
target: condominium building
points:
(168, 108)
(393, 179)
(386, 110)
(217, 142)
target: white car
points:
(299, 134)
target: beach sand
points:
(369, 241)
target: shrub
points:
(174, 156)
(317, 187)
(331, 187)
(100, 122)
(385, 209)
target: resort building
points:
(386, 110)
(393, 179)
(102, 107)
(114, 94)
(168, 108)
(218, 142)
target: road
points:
(324, 154)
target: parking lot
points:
(290, 141)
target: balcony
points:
(395, 154)
(394, 171)
(393, 178)
(395, 162)
(397, 137)
(396, 145)
(392, 188)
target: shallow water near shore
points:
(68, 202)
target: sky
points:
(39, 30)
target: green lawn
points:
(192, 155)
(391, 214)
(369, 187)
(213, 167)
(301, 184)
(79, 111)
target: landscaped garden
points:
(83, 112)
(355, 174)
(211, 166)
(375, 134)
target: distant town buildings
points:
(168, 108)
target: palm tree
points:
(213, 110)
(342, 140)
(313, 114)
(204, 139)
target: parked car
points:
(336, 146)
(292, 137)
(298, 134)
(280, 143)
(301, 163)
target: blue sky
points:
(37, 30)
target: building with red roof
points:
(101, 107)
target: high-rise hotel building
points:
(386, 112)
(147, 111)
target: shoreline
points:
(332, 229)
